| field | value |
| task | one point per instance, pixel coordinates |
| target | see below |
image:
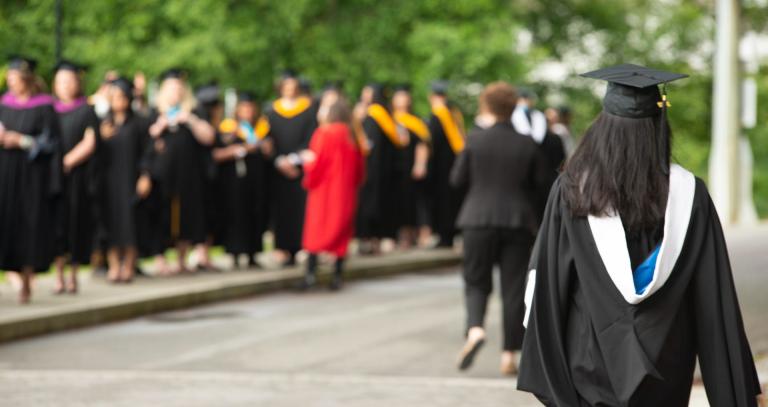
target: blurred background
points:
(541, 44)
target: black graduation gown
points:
(553, 151)
(585, 345)
(241, 200)
(289, 135)
(122, 159)
(445, 200)
(412, 209)
(378, 203)
(29, 183)
(182, 168)
(77, 205)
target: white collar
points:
(609, 236)
(536, 128)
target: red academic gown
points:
(332, 182)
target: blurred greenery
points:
(246, 44)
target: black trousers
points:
(510, 249)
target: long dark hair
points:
(618, 167)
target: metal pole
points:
(58, 30)
(723, 160)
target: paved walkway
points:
(378, 343)
(101, 302)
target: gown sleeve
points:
(727, 366)
(315, 172)
(48, 147)
(544, 368)
(460, 170)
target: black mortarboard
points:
(288, 73)
(305, 85)
(65, 65)
(22, 63)
(173, 73)
(404, 87)
(246, 96)
(208, 94)
(632, 89)
(633, 92)
(125, 85)
(439, 87)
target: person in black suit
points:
(504, 172)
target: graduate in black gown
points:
(211, 109)
(181, 144)
(241, 151)
(79, 141)
(30, 174)
(446, 126)
(632, 279)
(292, 120)
(377, 216)
(412, 170)
(529, 121)
(124, 168)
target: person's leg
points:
(310, 275)
(113, 262)
(515, 252)
(72, 285)
(479, 257)
(182, 247)
(126, 276)
(337, 280)
(25, 294)
(59, 264)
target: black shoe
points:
(337, 282)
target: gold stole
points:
(300, 106)
(453, 132)
(414, 124)
(232, 126)
(385, 122)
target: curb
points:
(111, 310)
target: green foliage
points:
(246, 43)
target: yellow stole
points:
(300, 106)
(385, 122)
(453, 132)
(231, 126)
(262, 127)
(414, 124)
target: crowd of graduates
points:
(108, 178)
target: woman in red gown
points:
(333, 171)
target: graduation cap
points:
(246, 96)
(66, 65)
(288, 73)
(305, 85)
(21, 63)
(208, 94)
(439, 87)
(125, 85)
(402, 87)
(633, 90)
(173, 73)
